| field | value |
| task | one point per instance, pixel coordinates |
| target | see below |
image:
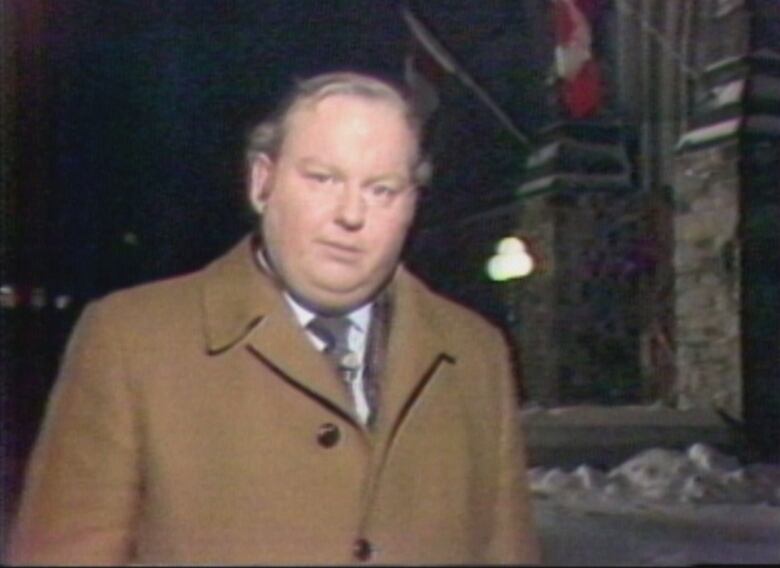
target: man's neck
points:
(360, 317)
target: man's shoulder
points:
(145, 313)
(167, 298)
(151, 296)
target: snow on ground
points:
(661, 507)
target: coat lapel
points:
(416, 349)
(243, 308)
(280, 343)
(416, 352)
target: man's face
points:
(338, 200)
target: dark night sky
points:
(151, 101)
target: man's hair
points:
(268, 136)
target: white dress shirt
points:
(360, 319)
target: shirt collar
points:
(359, 317)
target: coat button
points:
(328, 435)
(362, 550)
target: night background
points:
(151, 102)
(651, 217)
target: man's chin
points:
(334, 298)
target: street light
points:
(511, 260)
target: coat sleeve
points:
(82, 486)
(514, 537)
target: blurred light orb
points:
(510, 245)
(9, 298)
(62, 301)
(510, 261)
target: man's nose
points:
(351, 208)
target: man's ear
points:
(260, 182)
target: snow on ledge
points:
(763, 124)
(710, 133)
(763, 53)
(729, 93)
(700, 475)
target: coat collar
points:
(416, 346)
(236, 297)
(241, 305)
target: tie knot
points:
(332, 330)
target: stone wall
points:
(600, 262)
(538, 305)
(707, 279)
(581, 310)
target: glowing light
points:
(62, 301)
(510, 261)
(8, 296)
(510, 245)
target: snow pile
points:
(701, 474)
(661, 507)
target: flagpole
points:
(442, 56)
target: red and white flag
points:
(580, 76)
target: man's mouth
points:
(340, 251)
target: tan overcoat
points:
(193, 422)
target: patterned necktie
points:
(333, 331)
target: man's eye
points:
(383, 190)
(320, 177)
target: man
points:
(303, 399)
